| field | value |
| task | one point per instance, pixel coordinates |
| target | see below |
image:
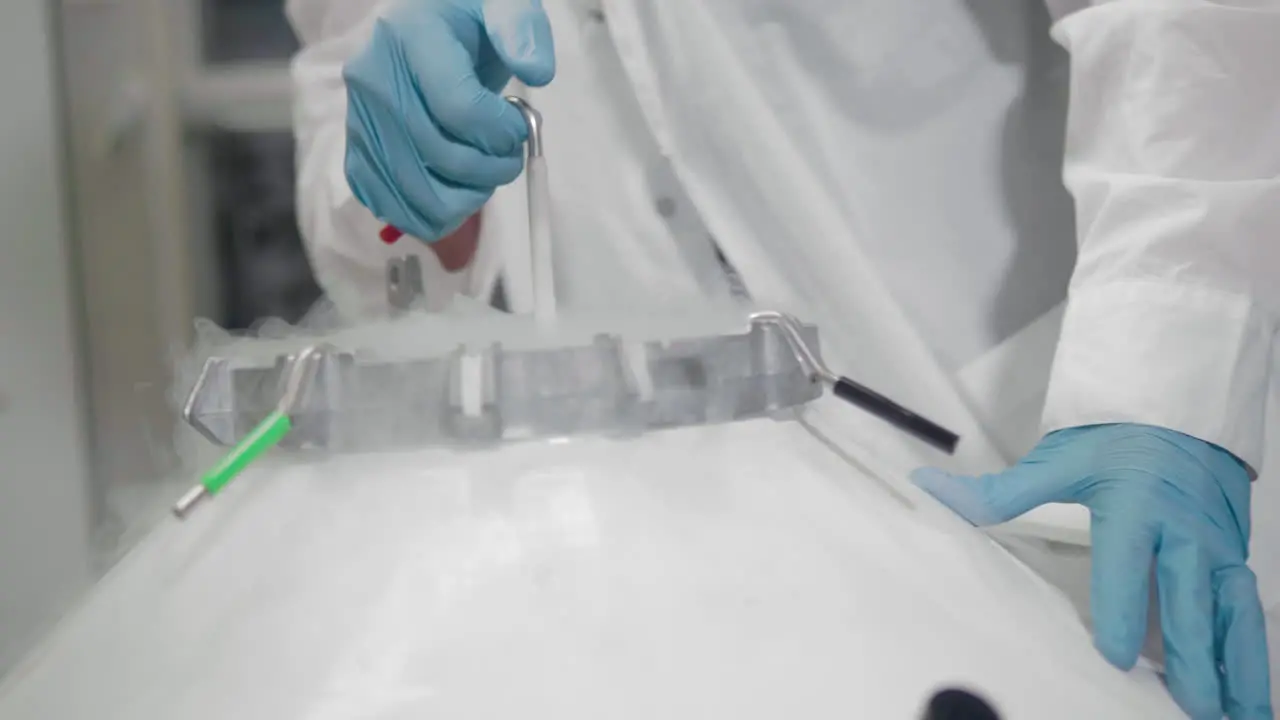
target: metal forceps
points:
(854, 393)
(404, 275)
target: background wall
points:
(45, 558)
(146, 179)
(182, 160)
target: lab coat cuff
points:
(1192, 359)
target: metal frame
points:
(491, 394)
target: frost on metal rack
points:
(492, 393)
(334, 400)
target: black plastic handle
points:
(896, 415)
(957, 704)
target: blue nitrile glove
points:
(1152, 494)
(428, 136)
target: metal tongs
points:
(535, 172)
(264, 436)
(404, 274)
(864, 397)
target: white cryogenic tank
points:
(745, 570)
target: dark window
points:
(264, 268)
(239, 30)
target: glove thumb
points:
(990, 499)
(520, 32)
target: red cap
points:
(390, 234)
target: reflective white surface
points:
(742, 571)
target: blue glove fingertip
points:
(957, 492)
(1242, 632)
(520, 33)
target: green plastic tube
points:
(261, 439)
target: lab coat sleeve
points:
(339, 234)
(1173, 157)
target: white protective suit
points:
(892, 171)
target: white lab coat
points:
(892, 171)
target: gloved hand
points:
(1153, 494)
(428, 136)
